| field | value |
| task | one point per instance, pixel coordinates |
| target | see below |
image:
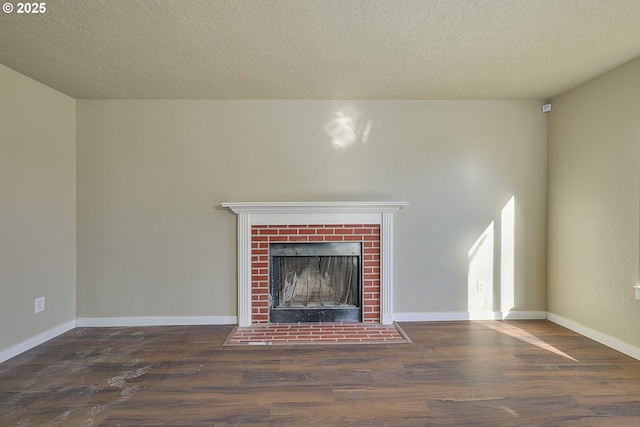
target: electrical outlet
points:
(480, 287)
(39, 305)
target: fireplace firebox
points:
(315, 282)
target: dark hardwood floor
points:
(517, 373)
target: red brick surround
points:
(262, 235)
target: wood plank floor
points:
(516, 373)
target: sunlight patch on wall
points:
(491, 276)
(348, 128)
(480, 276)
(507, 256)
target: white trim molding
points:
(100, 322)
(466, 316)
(36, 340)
(601, 337)
(299, 213)
(312, 207)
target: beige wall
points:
(37, 207)
(151, 241)
(594, 158)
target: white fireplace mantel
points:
(312, 207)
(296, 213)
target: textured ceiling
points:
(320, 49)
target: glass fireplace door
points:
(313, 282)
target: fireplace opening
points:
(315, 282)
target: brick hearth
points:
(317, 333)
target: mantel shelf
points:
(313, 207)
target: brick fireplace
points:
(264, 235)
(261, 224)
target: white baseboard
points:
(602, 338)
(461, 315)
(525, 315)
(36, 340)
(96, 322)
